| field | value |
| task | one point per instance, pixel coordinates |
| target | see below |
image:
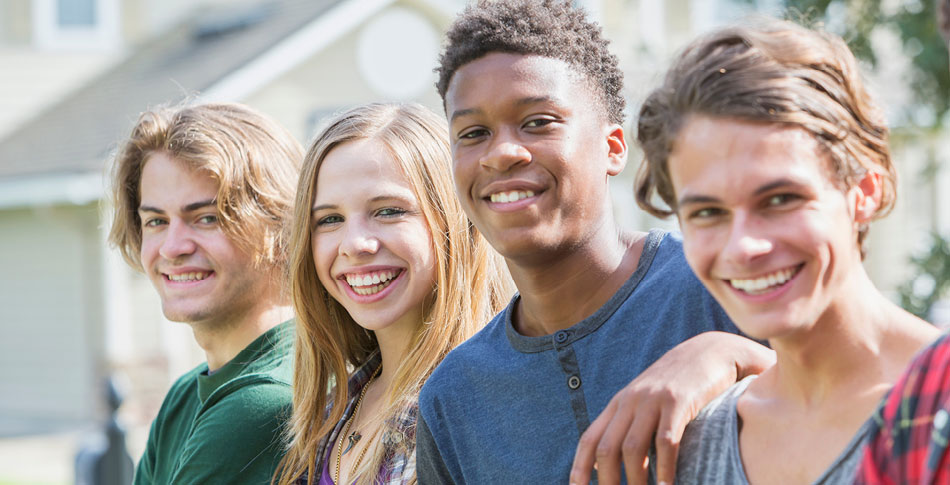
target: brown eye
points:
(705, 213)
(781, 199)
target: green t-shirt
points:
(224, 427)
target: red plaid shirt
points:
(908, 443)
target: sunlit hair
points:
(253, 158)
(770, 71)
(471, 286)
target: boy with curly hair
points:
(535, 108)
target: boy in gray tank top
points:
(764, 143)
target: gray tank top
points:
(709, 450)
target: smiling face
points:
(371, 245)
(201, 276)
(532, 151)
(764, 227)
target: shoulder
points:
(255, 396)
(665, 251)
(924, 386)
(183, 389)
(714, 429)
(253, 416)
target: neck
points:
(394, 344)
(222, 342)
(857, 348)
(570, 287)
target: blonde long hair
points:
(471, 285)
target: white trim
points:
(294, 50)
(48, 34)
(71, 189)
(116, 301)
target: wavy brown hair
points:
(471, 286)
(254, 159)
(769, 71)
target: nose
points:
(748, 240)
(358, 239)
(178, 241)
(505, 153)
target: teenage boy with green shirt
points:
(199, 194)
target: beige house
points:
(75, 313)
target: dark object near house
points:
(105, 461)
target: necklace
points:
(354, 437)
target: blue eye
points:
(334, 219)
(390, 212)
(152, 222)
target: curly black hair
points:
(547, 28)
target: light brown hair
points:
(769, 71)
(253, 158)
(471, 286)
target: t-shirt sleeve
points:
(238, 439)
(145, 470)
(430, 467)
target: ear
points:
(616, 150)
(867, 197)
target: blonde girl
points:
(387, 276)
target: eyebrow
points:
(518, 102)
(374, 199)
(706, 199)
(201, 204)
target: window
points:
(76, 24)
(76, 13)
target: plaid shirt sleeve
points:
(911, 429)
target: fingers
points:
(636, 444)
(611, 444)
(587, 446)
(668, 437)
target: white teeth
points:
(757, 285)
(512, 196)
(196, 276)
(370, 283)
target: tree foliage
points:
(914, 21)
(931, 278)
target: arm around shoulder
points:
(660, 402)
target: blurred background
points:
(74, 74)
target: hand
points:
(660, 402)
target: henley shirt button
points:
(574, 382)
(561, 337)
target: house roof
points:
(77, 135)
